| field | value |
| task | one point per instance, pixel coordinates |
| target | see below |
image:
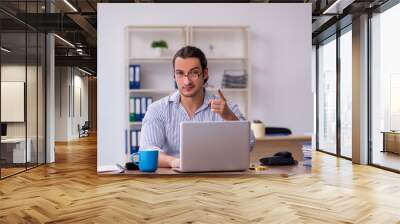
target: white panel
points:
(280, 54)
(12, 101)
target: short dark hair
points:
(192, 52)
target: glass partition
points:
(385, 87)
(346, 93)
(14, 154)
(327, 95)
(22, 77)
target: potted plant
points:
(159, 46)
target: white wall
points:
(61, 103)
(280, 56)
(68, 81)
(80, 83)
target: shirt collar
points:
(174, 97)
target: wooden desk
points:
(391, 141)
(286, 138)
(264, 147)
(284, 171)
(270, 145)
(13, 150)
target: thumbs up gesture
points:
(220, 107)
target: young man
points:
(191, 102)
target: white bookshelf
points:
(226, 47)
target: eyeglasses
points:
(192, 74)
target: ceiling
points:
(77, 22)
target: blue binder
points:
(136, 76)
(131, 77)
(143, 107)
(135, 140)
(132, 109)
(138, 139)
(137, 109)
(149, 100)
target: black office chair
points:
(277, 131)
(84, 130)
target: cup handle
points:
(133, 155)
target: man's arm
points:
(153, 135)
(221, 107)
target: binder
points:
(131, 77)
(133, 141)
(132, 109)
(143, 107)
(137, 109)
(149, 100)
(138, 139)
(137, 76)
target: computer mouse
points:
(131, 166)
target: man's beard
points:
(192, 94)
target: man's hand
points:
(220, 107)
(167, 161)
(175, 163)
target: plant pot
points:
(159, 52)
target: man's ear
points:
(176, 84)
(205, 74)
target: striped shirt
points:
(161, 124)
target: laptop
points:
(214, 146)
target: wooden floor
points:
(70, 191)
(386, 159)
(5, 172)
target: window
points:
(385, 88)
(327, 96)
(334, 106)
(346, 93)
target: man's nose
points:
(186, 80)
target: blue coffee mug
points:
(147, 161)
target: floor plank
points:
(70, 191)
